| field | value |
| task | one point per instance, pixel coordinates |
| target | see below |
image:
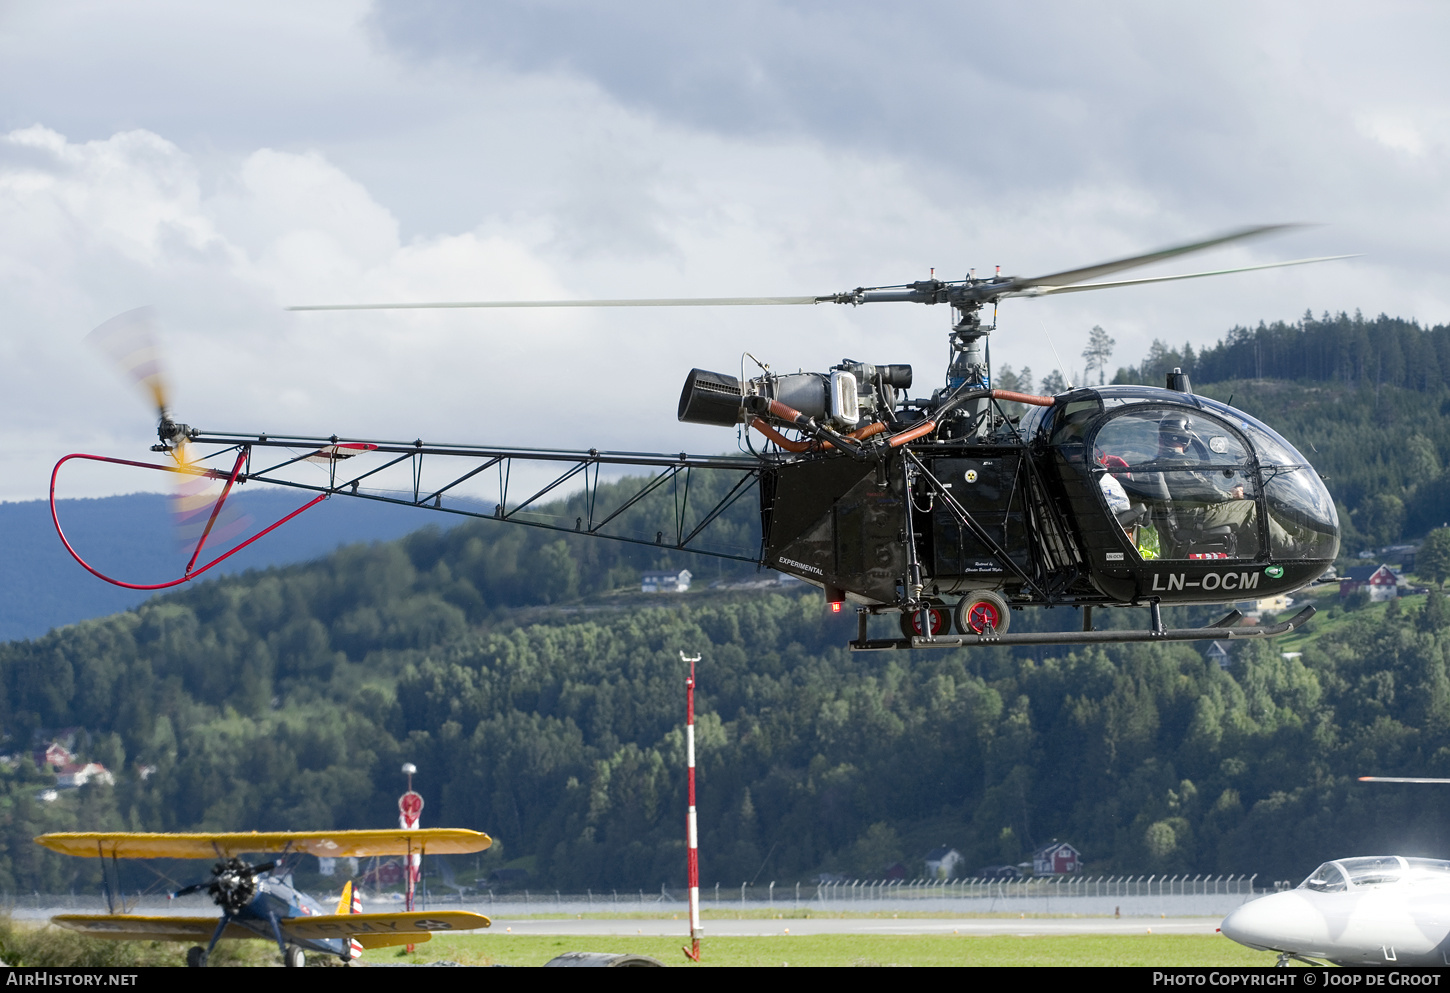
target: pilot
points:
(1206, 506)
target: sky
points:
(222, 161)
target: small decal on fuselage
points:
(1208, 582)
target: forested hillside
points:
(289, 699)
(544, 706)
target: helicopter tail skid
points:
(1224, 629)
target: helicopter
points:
(950, 511)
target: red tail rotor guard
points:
(191, 572)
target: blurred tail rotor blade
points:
(129, 341)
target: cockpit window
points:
(1325, 879)
(1373, 871)
(1303, 521)
(1183, 485)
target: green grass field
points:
(1322, 624)
(30, 945)
(853, 950)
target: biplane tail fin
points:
(351, 903)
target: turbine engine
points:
(852, 392)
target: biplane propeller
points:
(949, 510)
(258, 901)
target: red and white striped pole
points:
(691, 832)
(410, 808)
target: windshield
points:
(1325, 879)
(1303, 521)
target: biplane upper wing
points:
(327, 844)
(406, 926)
(131, 927)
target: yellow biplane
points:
(255, 902)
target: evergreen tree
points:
(1435, 614)
(1098, 353)
(1433, 559)
(1053, 383)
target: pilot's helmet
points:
(1175, 431)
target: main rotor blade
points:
(1400, 779)
(1105, 268)
(1042, 291)
(668, 302)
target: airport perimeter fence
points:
(874, 891)
(1085, 895)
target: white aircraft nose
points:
(1281, 921)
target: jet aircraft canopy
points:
(1380, 870)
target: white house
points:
(941, 863)
(665, 582)
(72, 776)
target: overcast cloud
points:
(222, 161)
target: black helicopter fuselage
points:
(1078, 503)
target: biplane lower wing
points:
(325, 844)
(384, 940)
(371, 930)
(131, 927)
(408, 925)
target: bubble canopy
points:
(1378, 870)
(1188, 477)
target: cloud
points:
(92, 228)
(221, 163)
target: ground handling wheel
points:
(196, 957)
(911, 622)
(982, 610)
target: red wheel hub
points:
(983, 615)
(938, 621)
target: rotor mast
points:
(969, 367)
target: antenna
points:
(1054, 352)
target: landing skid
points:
(1222, 629)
